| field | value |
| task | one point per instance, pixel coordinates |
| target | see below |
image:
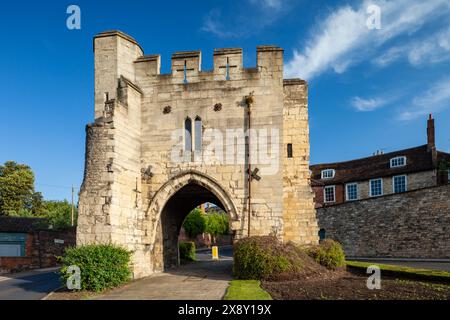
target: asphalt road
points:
(29, 286)
(225, 253)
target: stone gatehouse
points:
(162, 144)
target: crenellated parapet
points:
(118, 54)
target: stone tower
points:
(162, 144)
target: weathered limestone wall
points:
(299, 215)
(415, 224)
(197, 98)
(131, 172)
(95, 195)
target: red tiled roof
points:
(417, 159)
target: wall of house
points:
(414, 224)
(417, 180)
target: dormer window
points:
(328, 174)
(398, 162)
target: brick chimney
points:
(431, 140)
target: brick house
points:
(381, 174)
(26, 244)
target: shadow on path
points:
(201, 280)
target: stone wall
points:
(299, 219)
(414, 224)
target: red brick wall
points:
(40, 251)
(319, 196)
(14, 264)
(44, 241)
(17, 264)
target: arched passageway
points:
(174, 213)
(173, 202)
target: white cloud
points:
(248, 17)
(431, 49)
(211, 24)
(268, 4)
(365, 105)
(273, 4)
(391, 55)
(343, 38)
(435, 99)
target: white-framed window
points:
(328, 174)
(376, 187)
(351, 191)
(399, 184)
(329, 194)
(398, 162)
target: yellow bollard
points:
(215, 253)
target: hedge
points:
(328, 253)
(187, 251)
(258, 258)
(102, 266)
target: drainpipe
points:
(249, 102)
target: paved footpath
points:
(200, 280)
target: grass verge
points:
(402, 271)
(246, 290)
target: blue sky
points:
(369, 88)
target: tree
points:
(195, 223)
(16, 188)
(216, 224)
(37, 204)
(59, 213)
(18, 198)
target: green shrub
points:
(329, 254)
(101, 266)
(187, 251)
(195, 223)
(258, 258)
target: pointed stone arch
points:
(175, 184)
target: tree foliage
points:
(19, 199)
(213, 223)
(59, 213)
(195, 223)
(216, 224)
(16, 188)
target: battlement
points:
(186, 66)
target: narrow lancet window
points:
(188, 134)
(198, 134)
